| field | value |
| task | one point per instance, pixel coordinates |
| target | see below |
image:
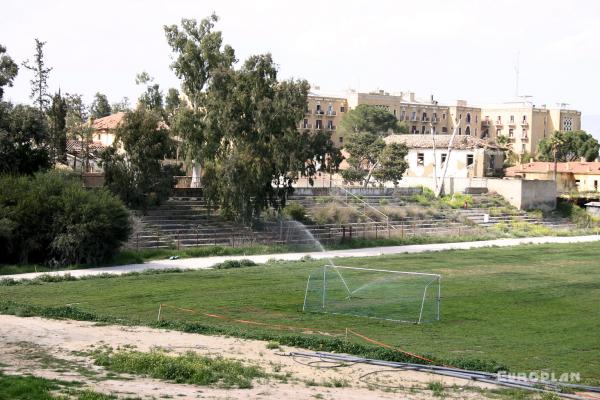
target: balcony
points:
(331, 113)
(434, 120)
(524, 138)
(319, 112)
(414, 119)
(331, 128)
(512, 124)
(307, 126)
(524, 123)
(485, 122)
(426, 119)
(498, 123)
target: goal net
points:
(375, 293)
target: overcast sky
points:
(452, 49)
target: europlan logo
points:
(541, 377)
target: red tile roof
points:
(109, 122)
(592, 168)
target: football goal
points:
(375, 293)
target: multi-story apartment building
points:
(324, 112)
(525, 125)
(521, 122)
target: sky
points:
(453, 49)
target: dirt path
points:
(53, 349)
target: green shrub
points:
(235, 264)
(186, 368)
(49, 218)
(295, 211)
(384, 202)
(458, 200)
(576, 214)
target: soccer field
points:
(527, 307)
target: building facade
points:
(525, 125)
(570, 176)
(522, 123)
(470, 157)
(324, 112)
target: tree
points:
(23, 140)
(241, 123)
(121, 106)
(372, 119)
(39, 83)
(57, 121)
(100, 107)
(172, 104)
(50, 218)
(78, 127)
(200, 53)
(371, 157)
(568, 146)
(8, 70)
(152, 98)
(139, 177)
(392, 163)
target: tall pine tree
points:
(39, 83)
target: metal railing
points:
(365, 205)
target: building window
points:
(394, 112)
(499, 120)
(524, 134)
(498, 132)
(318, 124)
(444, 155)
(512, 119)
(413, 116)
(424, 117)
(433, 130)
(596, 186)
(413, 130)
(524, 119)
(444, 129)
(469, 159)
(476, 119)
(567, 124)
(305, 125)
(341, 139)
(330, 109)
(319, 111)
(468, 118)
(330, 125)
(402, 114)
(342, 109)
(523, 148)
(468, 130)
(492, 162)
(421, 159)
(443, 116)
(511, 132)
(423, 130)
(459, 130)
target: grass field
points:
(527, 307)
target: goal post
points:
(374, 293)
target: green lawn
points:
(527, 307)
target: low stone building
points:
(570, 176)
(470, 157)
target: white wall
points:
(457, 163)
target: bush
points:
(458, 200)
(575, 213)
(49, 218)
(335, 214)
(295, 211)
